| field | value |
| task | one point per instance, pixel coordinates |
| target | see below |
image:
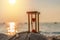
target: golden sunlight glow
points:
(12, 1)
(12, 28)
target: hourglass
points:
(33, 21)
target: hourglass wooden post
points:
(33, 21)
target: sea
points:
(48, 29)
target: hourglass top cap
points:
(33, 12)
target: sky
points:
(49, 9)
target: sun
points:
(12, 1)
